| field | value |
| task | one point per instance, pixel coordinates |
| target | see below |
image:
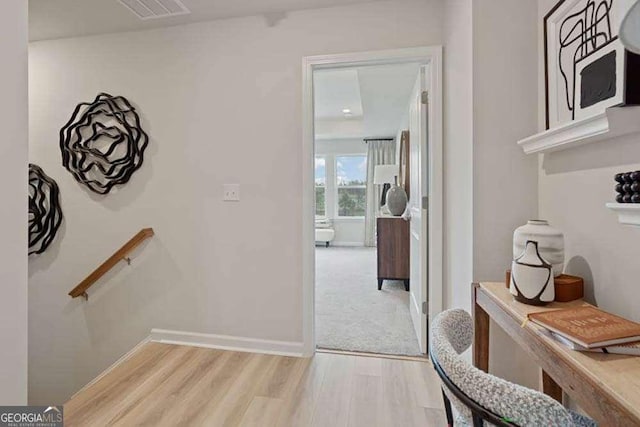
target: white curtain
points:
(379, 152)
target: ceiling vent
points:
(154, 9)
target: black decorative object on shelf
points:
(628, 187)
(45, 214)
(103, 143)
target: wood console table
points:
(607, 386)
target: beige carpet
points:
(351, 314)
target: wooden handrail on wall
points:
(120, 255)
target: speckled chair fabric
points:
(452, 334)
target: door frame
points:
(431, 55)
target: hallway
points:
(169, 385)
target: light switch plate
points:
(231, 192)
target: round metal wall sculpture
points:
(45, 215)
(103, 143)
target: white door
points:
(418, 190)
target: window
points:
(321, 186)
(351, 182)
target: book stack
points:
(588, 328)
(628, 187)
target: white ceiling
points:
(337, 90)
(378, 97)
(51, 19)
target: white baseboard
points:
(346, 244)
(226, 342)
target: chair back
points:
(479, 396)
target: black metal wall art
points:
(45, 214)
(103, 143)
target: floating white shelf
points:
(614, 122)
(628, 213)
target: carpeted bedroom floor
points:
(351, 314)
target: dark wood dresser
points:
(393, 250)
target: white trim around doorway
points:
(427, 55)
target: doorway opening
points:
(372, 139)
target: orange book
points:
(588, 326)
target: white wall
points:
(504, 178)
(574, 186)
(13, 214)
(505, 110)
(222, 103)
(349, 231)
(458, 153)
(490, 185)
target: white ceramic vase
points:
(532, 280)
(396, 200)
(550, 243)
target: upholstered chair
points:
(483, 399)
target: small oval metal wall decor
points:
(103, 143)
(45, 214)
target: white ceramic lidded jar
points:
(550, 242)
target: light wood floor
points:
(168, 385)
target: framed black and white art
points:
(586, 67)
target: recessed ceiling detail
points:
(337, 94)
(358, 102)
(154, 9)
